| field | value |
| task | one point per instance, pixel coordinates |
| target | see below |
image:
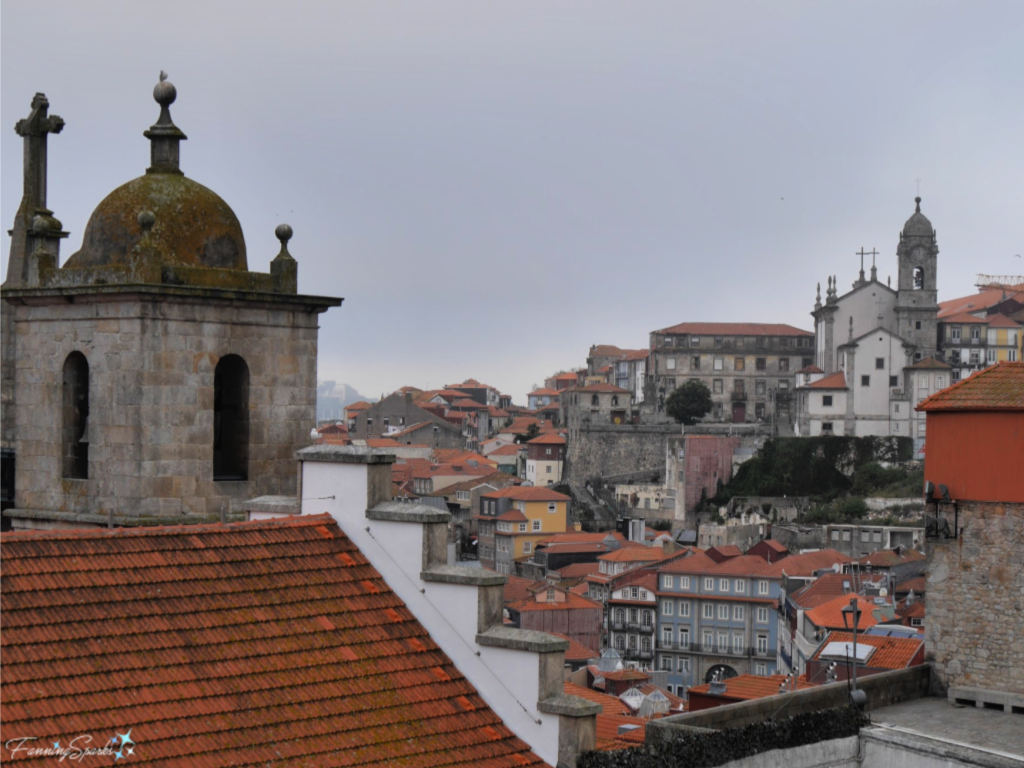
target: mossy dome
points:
(918, 225)
(191, 225)
(194, 226)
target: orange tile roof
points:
(807, 563)
(829, 615)
(811, 369)
(634, 555)
(517, 588)
(916, 584)
(1001, 321)
(362, 405)
(626, 675)
(576, 537)
(564, 377)
(507, 450)
(467, 403)
(736, 329)
(965, 317)
(597, 388)
(725, 550)
(823, 589)
(545, 392)
(577, 651)
(886, 558)
(998, 388)
(577, 570)
(572, 602)
(527, 493)
(382, 442)
(979, 301)
(458, 456)
(610, 705)
(748, 687)
(637, 354)
(890, 652)
(552, 438)
(836, 381)
(266, 642)
(929, 363)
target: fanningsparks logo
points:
(121, 746)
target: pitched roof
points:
(527, 493)
(599, 388)
(889, 653)
(577, 651)
(965, 317)
(458, 456)
(736, 329)
(382, 442)
(545, 392)
(807, 563)
(362, 405)
(723, 551)
(566, 376)
(886, 558)
(517, 588)
(836, 380)
(626, 675)
(811, 369)
(998, 388)
(275, 640)
(827, 587)
(634, 555)
(637, 354)
(916, 585)
(830, 614)
(979, 301)
(1001, 321)
(577, 570)
(512, 449)
(572, 602)
(552, 438)
(748, 687)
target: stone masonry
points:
(974, 635)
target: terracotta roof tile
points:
(275, 640)
(916, 584)
(979, 301)
(736, 329)
(552, 438)
(811, 369)
(639, 554)
(807, 563)
(577, 651)
(748, 687)
(998, 388)
(836, 381)
(598, 388)
(829, 615)
(507, 450)
(930, 363)
(517, 588)
(577, 570)
(890, 652)
(527, 493)
(887, 558)
(572, 601)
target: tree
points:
(531, 432)
(689, 402)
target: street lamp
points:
(851, 618)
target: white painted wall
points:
(447, 611)
(863, 306)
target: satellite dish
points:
(883, 591)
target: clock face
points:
(917, 255)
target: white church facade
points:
(877, 349)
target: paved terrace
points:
(937, 718)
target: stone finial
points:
(917, 202)
(40, 227)
(146, 220)
(283, 232)
(283, 267)
(164, 136)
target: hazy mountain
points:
(332, 397)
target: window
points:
(645, 619)
(684, 582)
(954, 333)
(666, 636)
(760, 387)
(762, 644)
(369, 423)
(719, 363)
(975, 334)
(634, 593)
(620, 642)
(74, 437)
(694, 341)
(694, 363)
(723, 611)
(231, 419)
(739, 363)
(737, 613)
(918, 278)
(707, 639)
(783, 363)
(879, 363)
(666, 663)
(762, 587)
(632, 615)
(709, 584)
(670, 363)
(718, 342)
(709, 611)
(940, 382)
(917, 325)
(723, 585)
(684, 609)
(594, 400)
(805, 362)
(917, 622)
(527, 546)
(738, 386)
(666, 582)
(536, 525)
(737, 644)
(761, 364)
(762, 615)
(761, 669)
(865, 381)
(668, 608)
(552, 506)
(717, 386)
(684, 664)
(826, 401)
(759, 342)
(547, 451)
(990, 355)
(669, 341)
(894, 381)
(1011, 355)
(783, 385)
(835, 535)
(739, 586)
(684, 637)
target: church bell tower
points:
(917, 288)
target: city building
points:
(632, 618)
(750, 368)
(514, 519)
(550, 608)
(595, 404)
(545, 458)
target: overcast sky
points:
(495, 187)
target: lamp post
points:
(851, 618)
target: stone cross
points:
(34, 130)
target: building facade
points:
(749, 368)
(514, 519)
(545, 458)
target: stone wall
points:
(602, 450)
(975, 625)
(151, 401)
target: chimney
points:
(519, 673)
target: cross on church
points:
(918, 181)
(862, 253)
(34, 129)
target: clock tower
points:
(917, 288)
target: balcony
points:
(630, 626)
(637, 654)
(717, 650)
(738, 396)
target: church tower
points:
(917, 288)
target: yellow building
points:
(514, 519)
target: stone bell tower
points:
(153, 378)
(917, 285)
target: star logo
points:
(56, 745)
(118, 756)
(126, 738)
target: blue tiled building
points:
(717, 616)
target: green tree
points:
(689, 402)
(531, 432)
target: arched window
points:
(918, 278)
(620, 615)
(74, 433)
(231, 419)
(593, 399)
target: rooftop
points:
(746, 687)
(736, 329)
(836, 380)
(889, 653)
(998, 388)
(276, 640)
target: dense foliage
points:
(708, 749)
(689, 402)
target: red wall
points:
(979, 455)
(708, 460)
